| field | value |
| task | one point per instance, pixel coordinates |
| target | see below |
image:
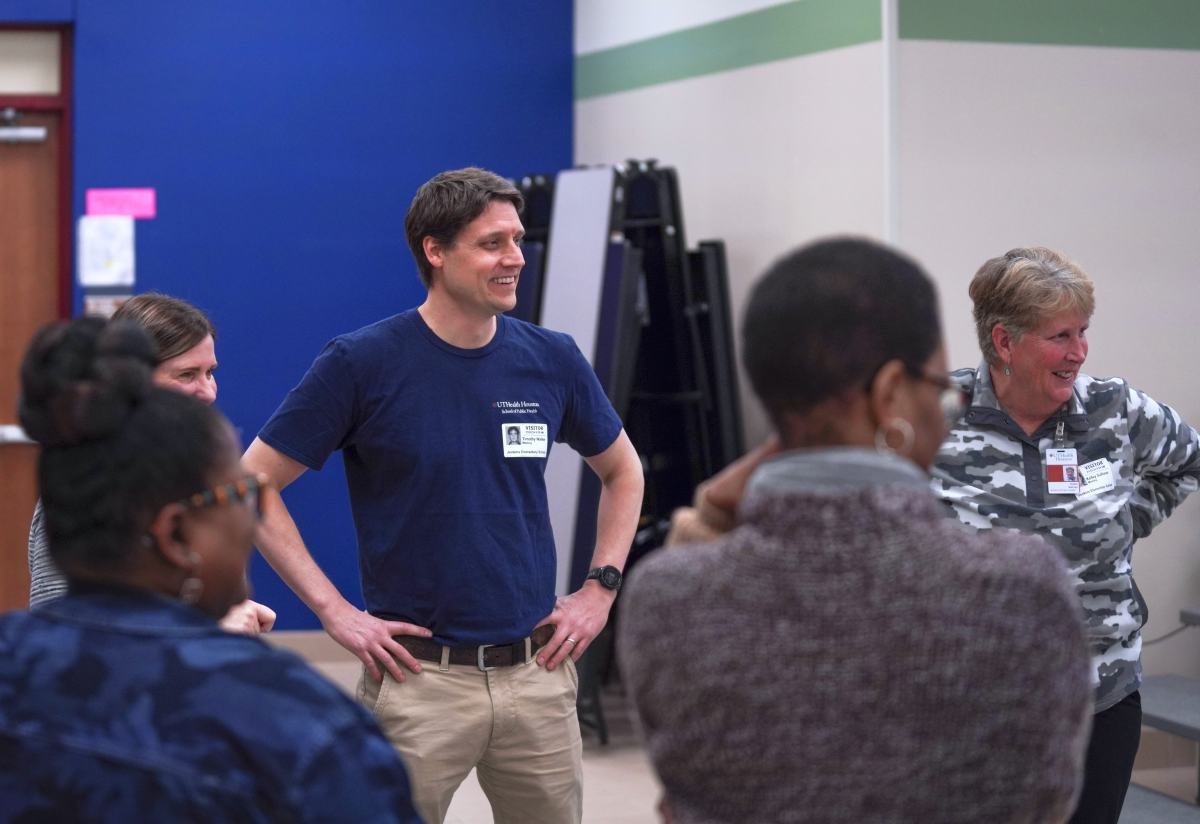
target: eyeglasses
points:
(248, 490)
(953, 400)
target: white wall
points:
(768, 156)
(1096, 152)
(602, 24)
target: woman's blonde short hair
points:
(1024, 287)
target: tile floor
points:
(619, 786)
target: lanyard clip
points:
(1059, 440)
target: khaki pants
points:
(516, 725)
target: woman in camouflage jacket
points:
(1090, 465)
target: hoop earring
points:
(907, 436)
(190, 590)
(192, 587)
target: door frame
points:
(60, 103)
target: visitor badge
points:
(1096, 476)
(1062, 472)
(524, 440)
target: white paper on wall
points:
(106, 251)
(103, 306)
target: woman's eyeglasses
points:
(953, 400)
(248, 490)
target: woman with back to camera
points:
(185, 340)
(1089, 465)
(844, 653)
(123, 700)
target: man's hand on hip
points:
(371, 641)
(578, 618)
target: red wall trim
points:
(33, 26)
(33, 102)
(66, 188)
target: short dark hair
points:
(448, 202)
(115, 447)
(826, 317)
(175, 325)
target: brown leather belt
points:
(486, 657)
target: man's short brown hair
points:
(448, 202)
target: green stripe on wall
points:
(1148, 24)
(788, 30)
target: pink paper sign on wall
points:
(126, 202)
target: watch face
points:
(610, 577)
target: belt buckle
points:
(479, 657)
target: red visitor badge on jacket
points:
(1062, 472)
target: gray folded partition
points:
(654, 322)
(529, 285)
(592, 290)
(571, 297)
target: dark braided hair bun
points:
(81, 379)
(116, 447)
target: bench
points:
(1170, 703)
(1144, 806)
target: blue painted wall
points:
(37, 11)
(285, 139)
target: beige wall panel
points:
(1092, 151)
(768, 156)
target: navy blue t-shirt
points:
(445, 450)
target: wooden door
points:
(29, 298)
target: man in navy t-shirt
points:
(445, 415)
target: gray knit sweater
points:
(849, 654)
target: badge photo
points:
(1062, 472)
(524, 440)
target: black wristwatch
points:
(608, 576)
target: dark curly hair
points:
(115, 447)
(826, 317)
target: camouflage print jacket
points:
(123, 706)
(994, 475)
